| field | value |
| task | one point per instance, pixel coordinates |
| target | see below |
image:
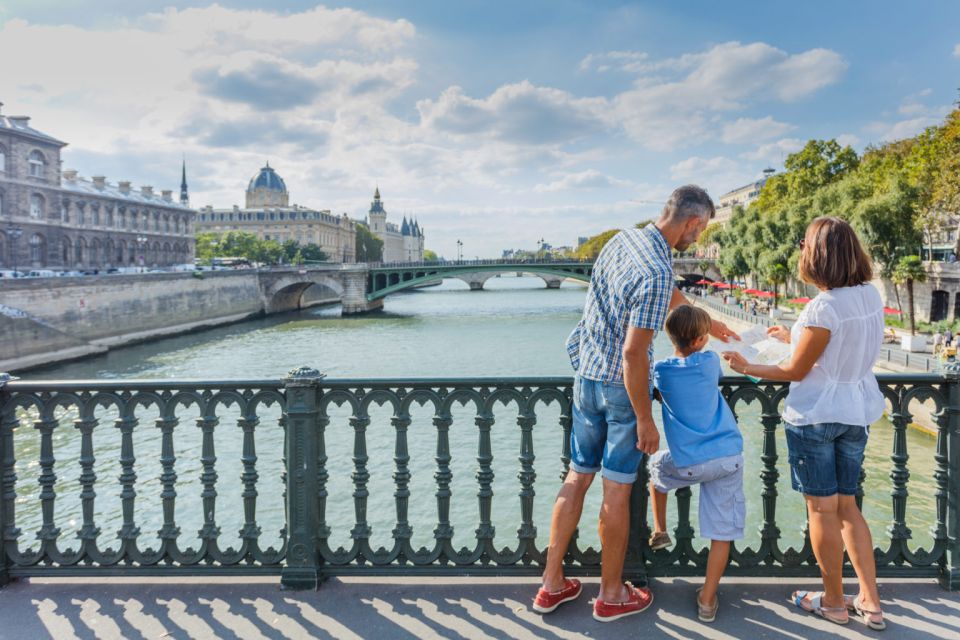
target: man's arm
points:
(718, 330)
(636, 378)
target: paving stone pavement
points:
(384, 609)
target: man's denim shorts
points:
(723, 507)
(825, 459)
(604, 434)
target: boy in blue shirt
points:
(704, 447)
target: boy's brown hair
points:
(832, 256)
(685, 324)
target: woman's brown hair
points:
(832, 255)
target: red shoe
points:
(638, 600)
(547, 601)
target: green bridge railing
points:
(61, 432)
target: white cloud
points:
(917, 116)
(678, 107)
(717, 175)
(773, 153)
(588, 179)
(956, 51)
(752, 130)
(848, 140)
(518, 113)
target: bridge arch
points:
(383, 282)
(288, 294)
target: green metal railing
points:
(303, 404)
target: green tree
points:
(369, 248)
(429, 256)
(313, 253)
(909, 270)
(590, 249)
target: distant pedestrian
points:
(948, 336)
(937, 343)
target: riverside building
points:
(61, 221)
(269, 215)
(400, 244)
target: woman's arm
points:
(810, 346)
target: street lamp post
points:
(540, 249)
(459, 250)
(141, 242)
(14, 232)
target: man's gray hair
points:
(688, 201)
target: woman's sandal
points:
(873, 619)
(813, 606)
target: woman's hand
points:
(779, 332)
(736, 361)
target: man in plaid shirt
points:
(611, 349)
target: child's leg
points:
(716, 563)
(659, 502)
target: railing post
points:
(302, 395)
(950, 569)
(634, 562)
(7, 478)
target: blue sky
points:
(493, 122)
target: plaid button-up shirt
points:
(631, 286)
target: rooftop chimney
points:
(146, 190)
(167, 195)
(1, 106)
(70, 174)
(20, 121)
(124, 186)
(99, 182)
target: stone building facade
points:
(269, 215)
(400, 244)
(59, 221)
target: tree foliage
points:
(241, 244)
(369, 247)
(590, 249)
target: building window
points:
(37, 164)
(65, 213)
(96, 218)
(81, 219)
(1, 203)
(3, 160)
(36, 249)
(36, 206)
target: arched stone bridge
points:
(362, 287)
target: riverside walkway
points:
(469, 608)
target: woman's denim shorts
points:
(825, 459)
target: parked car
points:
(69, 274)
(10, 273)
(42, 273)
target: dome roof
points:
(267, 178)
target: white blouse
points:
(841, 387)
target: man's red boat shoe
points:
(547, 601)
(638, 600)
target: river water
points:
(515, 327)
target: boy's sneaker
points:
(638, 600)
(547, 601)
(660, 540)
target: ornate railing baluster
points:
(769, 531)
(898, 530)
(444, 530)
(128, 478)
(209, 532)
(48, 532)
(402, 532)
(361, 530)
(169, 531)
(88, 530)
(486, 531)
(527, 533)
(250, 532)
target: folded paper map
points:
(756, 347)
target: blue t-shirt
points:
(697, 422)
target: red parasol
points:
(890, 311)
(764, 294)
(704, 282)
(800, 300)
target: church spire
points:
(184, 194)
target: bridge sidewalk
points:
(255, 608)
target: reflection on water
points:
(515, 327)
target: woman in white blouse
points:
(833, 398)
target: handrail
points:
(330, 432)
